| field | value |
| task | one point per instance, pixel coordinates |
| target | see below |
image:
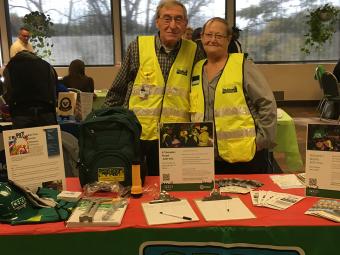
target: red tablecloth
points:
(134, 217)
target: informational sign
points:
(323, 160)
(34, 157)
(186, 156)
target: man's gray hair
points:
(170, 3)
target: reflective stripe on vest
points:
(148, 99)
(234, 125)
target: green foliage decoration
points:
(321, 24)
(40, 26)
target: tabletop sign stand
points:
(323, 160)
(186, 156)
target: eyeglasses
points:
(167, 19)
(217, 36)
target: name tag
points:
(144, 92)
(195, 80)
(229, 90)
(182, 72)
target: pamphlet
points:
(235, 185)
(323, 160)
(287, 181)
(186, 156)
(326, 208)
(97, 212)
(34, 157)
(274, 200)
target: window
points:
(82, 28)
(274, 30)
(141, 16)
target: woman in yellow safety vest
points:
(230, 91)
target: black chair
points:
(330, 108)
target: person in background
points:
(196, 37)
(231, 92)
(336, 70)
(22, 42)
(30, 91)
(188, 33)
(235, 45)
(77, 78)
(155, 83)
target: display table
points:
(272, 232)
(286, 141)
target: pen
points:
(179, 217)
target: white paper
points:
(179, 209)
(287, 181)
(34, 157)
(229, 209)
(86, 101)
(186, 156)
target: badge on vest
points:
(195, 80)
(229, 90)
(144, 92)
(182, 72)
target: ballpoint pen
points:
(176, 216)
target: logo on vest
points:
(182, 72)
(195, 80)
(229, 90)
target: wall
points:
(295, 80)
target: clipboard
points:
(224, 209)
(169, 212)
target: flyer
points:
(186, 156)
(34, 157)
(323, 160)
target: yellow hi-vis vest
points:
(153, 100)
(234, 124)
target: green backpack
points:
(109, 142)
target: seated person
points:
(30, 91)
(77, 78)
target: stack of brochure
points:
(326, 208)
(274, 200)
(287, 181)
(97, 211)
(234, 185)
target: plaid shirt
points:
(120, 91)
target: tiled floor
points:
(301, 116)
